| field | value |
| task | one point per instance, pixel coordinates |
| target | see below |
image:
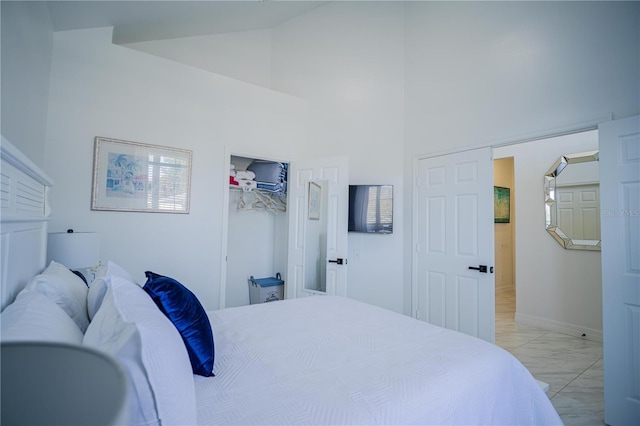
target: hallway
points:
(572, 366)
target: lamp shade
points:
(74, 249)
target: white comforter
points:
(332, 360)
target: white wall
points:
(347, 60)
(484, 72)
(555, 288)
(100, 89)
(242, 55)
(414, 79)
(480, 72)
(26, 64)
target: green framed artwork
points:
(501, 204)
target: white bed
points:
(316, 360)
(332, 360)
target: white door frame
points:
(590, 124)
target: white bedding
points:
(332, 360)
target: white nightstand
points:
(47, 383)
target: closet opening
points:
(257, 224)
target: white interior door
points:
(455, 233)
(308, 262)
(578, 212)
(620, 212)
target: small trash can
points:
(262, 290)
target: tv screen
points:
(371, 208)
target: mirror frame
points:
(319, 218)
(551, 222)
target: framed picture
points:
(138, 177)
(314, 201)
(501, 204)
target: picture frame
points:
(501, 204)
(315, 191)
(138, 177)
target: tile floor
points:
(572, 366)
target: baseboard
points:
(560, 327)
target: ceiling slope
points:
(136, 21)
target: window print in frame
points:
(139, 177)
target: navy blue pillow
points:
(184, 310)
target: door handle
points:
(339, 261)
(481, 268)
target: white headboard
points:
(24, 216)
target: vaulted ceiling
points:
(135, 21)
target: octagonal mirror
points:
(572, 201)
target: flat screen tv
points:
(371, 209)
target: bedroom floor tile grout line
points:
(580, 375)
(571, 365)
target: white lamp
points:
(75, 250)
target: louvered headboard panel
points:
(24, 216)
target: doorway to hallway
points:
(504, 238)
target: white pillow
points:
(131, 328)
(66, 289)
(35, 317)
(98, 287)
(116, 270)
(97, 290)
